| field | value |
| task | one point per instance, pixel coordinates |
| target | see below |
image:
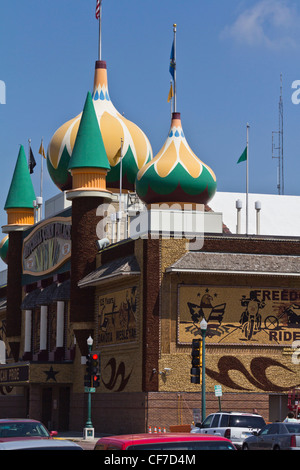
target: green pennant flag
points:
(244, 156)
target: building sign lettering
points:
(10, 375)
(47, 246)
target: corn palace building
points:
(131, 254)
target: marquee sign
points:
(47, 247)
(239, 315)
(16, 374)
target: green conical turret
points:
(21, 193)
(89, 150)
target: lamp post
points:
(89, 430)
(203, 327)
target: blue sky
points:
(230, 54)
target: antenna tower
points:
(279, 155)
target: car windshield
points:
(188, 445)
(19, 429)
(293, 428)
(240, 421)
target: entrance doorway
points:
(56, 408)
(47, 407)
(63, 408)
(278, 407)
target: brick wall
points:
(176, 408)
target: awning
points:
(237, 263)
(29, 301)
(46, 296)
(127, 266)
(62, 291)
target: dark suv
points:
(232, 425)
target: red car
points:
(164, 441)
(17, 429)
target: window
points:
(224, 421)
(240, 421)
(293, 428)
(266, 430)
(207, 422)
(26, 429)
(215, 421)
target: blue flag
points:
(172, 61)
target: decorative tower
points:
(88, 166)
(20, 215)
(117, 132)
(19, 202)
(176, 174)
(176, 180)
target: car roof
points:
(239, 413)
(161, 437)
(18, 420)
(29, 444)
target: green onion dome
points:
(4, 249)
(118, 133)
(176, 174)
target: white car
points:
(40, 444)
(232, 425)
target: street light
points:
(203, 327)
(89, 430)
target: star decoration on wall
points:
(51, 374)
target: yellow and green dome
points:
(4, 249)
(116, 132)
(176, 174)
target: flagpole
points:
(175, 100)
(247, 180)
(42, 172)
(171, 100)
(119, 215)
(100, 36)
(29, 145)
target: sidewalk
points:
(77, 436)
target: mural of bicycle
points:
(293, 317)
(251, 318)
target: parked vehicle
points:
(12, 429)
(232, 425)
(275, 436)
(40, 444)
(164, 441)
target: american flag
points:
(98, 9)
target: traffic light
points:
(88, 364)
(88, 371)
(92, 370)
(94, 363)
(87, 380)
(95, 370)
(96, 380)
(196, 361)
